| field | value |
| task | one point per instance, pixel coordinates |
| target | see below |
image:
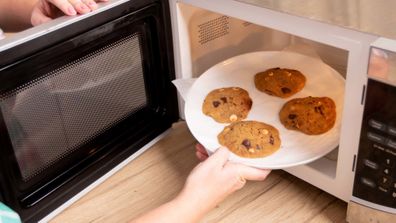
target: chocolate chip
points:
(224, 99)
(216, 104)
(250, 103)
(246, 143)
(271, 140)
(258, 147)
(269, 92)
(285, 90)
(292, 116)
(319, 109)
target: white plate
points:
(296, 148)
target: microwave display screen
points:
(382, 65)
(50, 117)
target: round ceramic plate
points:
(296, 148)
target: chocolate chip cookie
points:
(310, 115)
(251, 139)
(280, 82)
(226, 105)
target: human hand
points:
(208, 184)
(46, 10)
(200, 152)
(211, 181)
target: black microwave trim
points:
(24, 50)
(161, 119)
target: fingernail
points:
(71, 10)
(84, 7)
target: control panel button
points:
(383, 189)
(392, 130)
(367, 182)
(377, 125)
(375, 137)
(388, 161)
(378, 149)
(384, 180)
(391, 143)
(371, 164)
(386, 171)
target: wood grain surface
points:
(159, 173)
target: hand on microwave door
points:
(46, 10)
(17, 15)
(209, 183)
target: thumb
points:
(219, 158)
(251, 173)
(38, 17)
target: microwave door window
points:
(49, 118)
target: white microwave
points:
(207, 32)
(361, 169)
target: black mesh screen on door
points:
(50, 117)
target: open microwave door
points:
(79, 99)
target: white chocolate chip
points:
(271, 74)
(264, 131)
(233, 118)
(288, 74)
(251, 150)
(235, 88)
(221, 89)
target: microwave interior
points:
(213, 37)
(208, 38)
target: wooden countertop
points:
(159, 173)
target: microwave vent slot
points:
(213, 29)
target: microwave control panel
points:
(375, 179)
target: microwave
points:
(82, 96)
